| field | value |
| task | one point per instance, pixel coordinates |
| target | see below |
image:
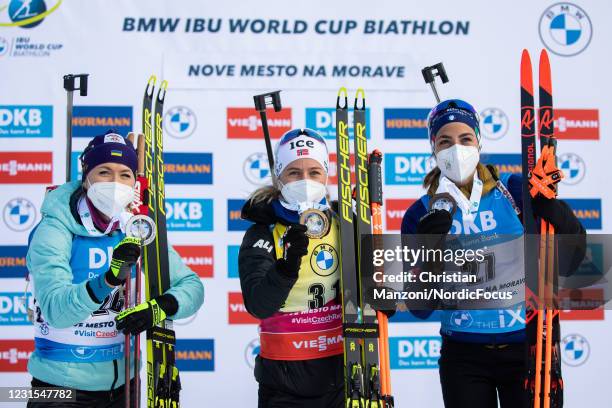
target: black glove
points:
(146, 315)
(125, 256)
(295, 246)
(558, 213)
(435, 222)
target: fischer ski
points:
(163, 383)
(360, 324)
(544, 383)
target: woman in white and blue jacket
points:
(483, 351)
(78, 259)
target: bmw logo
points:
(257, 169)
(565, 29)
(251, 352)
(324, 260)
(180, 122)
(494, 123)
(573, 167)
(575, 350)
(461, 318)
(19, 214)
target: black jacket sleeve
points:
(264, 289)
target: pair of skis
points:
(367, 373)
(544, 384)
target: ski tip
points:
(161, 93)
(526, 72)
(545, 75)
(360, 94)
(150, 85)
(342, 94)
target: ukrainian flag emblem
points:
(117, 153)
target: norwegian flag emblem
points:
(302, 152)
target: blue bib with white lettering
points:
(95, 339)
(497, 219)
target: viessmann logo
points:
(26, 13)
(244, 123)
(237, 312)
(578, 124)
(14, 355)
(200, 258)
(26, 167)
(395, 208)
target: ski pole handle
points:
(261, 103)
(429, 75)
(70, 87)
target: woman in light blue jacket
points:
(78, 259)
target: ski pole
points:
(261, 101)
(429, 75)
(70, 87)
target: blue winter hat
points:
(452, 110)
(109, 148)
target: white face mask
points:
(303, 191)
(458, 162)
(109, 197)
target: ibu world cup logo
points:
(565, 29)
(324, 260)
(25, 13)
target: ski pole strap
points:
(500, 186)
(361, 330)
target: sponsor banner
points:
(14, 308)
(407, 168)
(19, 214)
(395, 208)
(76, 170)
(494, 123)
(237, 312)
(180, 122)
(14, 355)
(26, 121)
(199, 258)
(582, 304)
(577, 124)
(188, 168)
(409, 353)
(234, 221)
(332, 176)
(323, 120)
(588, 211)
(189, 214)
(406, 123)
(13, 261)
(232, 261)
(244, 123)
(575, 349)
(573, 167)
(195, 354)
(565, 29)
(26, 167)
(256, 169)
(504, 162)
(90, 121)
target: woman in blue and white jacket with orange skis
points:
(78, 260)
(483, 351)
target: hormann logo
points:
(406, 123)
(26, 167)
(195, 354)
(588, 211)
(13, 261)
(188, 168)
(504, 162)
(90, 121)
(244, 123)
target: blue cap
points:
(449, 111)
(109, 148)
